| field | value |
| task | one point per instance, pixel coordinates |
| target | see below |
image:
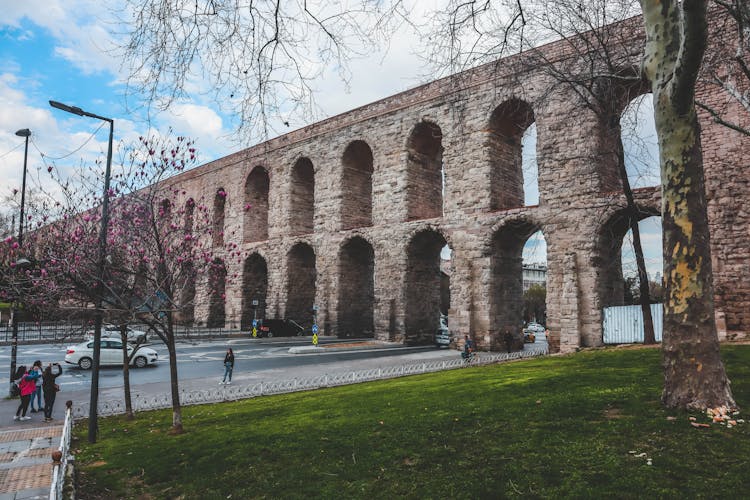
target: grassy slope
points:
(554, 427)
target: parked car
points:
(114, 331)
(279, 328)
(535, 327)
(110, 354)
(530, 332)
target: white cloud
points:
(202, 124)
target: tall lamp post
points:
(94, 398)
(25, 133)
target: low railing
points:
(236, 392)
(76, 332)
(60, 457)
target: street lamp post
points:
(94, 398)
(25, 133)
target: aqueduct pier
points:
(350, 214)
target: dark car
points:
(279, 328)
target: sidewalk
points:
(26, 457)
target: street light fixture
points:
(94, 399)
(25, 133)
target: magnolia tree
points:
(159, 245)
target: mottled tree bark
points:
(694, 376)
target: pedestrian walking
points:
(228, 367)
(50, 389)
(468, 352)
(27, 385)
(37, 395)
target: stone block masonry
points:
(351, 214)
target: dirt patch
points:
(613, 413)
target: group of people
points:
(33, 384)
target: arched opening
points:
(530, 167)
(189, 215)
(614, 258)
(165, 209)
(651, 241)
(356, 186)
(186, 293)
(356, 289)
(519, 271)
(424, 172)
(300, 289)
(254, 290)
(302, 197)
(217, 274)
(256, 205)
(220, 200)
(425, 285)
(639, 142)
(511, 148)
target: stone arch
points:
(639, 142)
(423, 285)
(356, 290)
(186, 283)
(424, 172)
(302, 197)
(356, 185)
(506, 279)
(189, 215)
(615, 95)
(300, 287)
(254, 290)
(220, 201)
(607, 258)
(256, 205)
(217, 274)
(165, 209)
(505, 132)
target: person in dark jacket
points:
(50, 389)
(228, 367)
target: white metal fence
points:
(624, 324)
(236, 392)
(60, 467)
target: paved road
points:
(200, 360)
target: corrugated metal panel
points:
(624, 324)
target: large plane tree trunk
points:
(694, 376)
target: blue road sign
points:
(315, 328)
(255, 323)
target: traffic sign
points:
(315, 339)
(315, 328)
(255, 331)
(255, 323)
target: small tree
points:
(153, 256)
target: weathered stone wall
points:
(367, 254)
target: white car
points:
(110, 354)
(114, 331)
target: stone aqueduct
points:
(350, 214)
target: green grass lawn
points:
(579, 426)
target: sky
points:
(62, 50)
